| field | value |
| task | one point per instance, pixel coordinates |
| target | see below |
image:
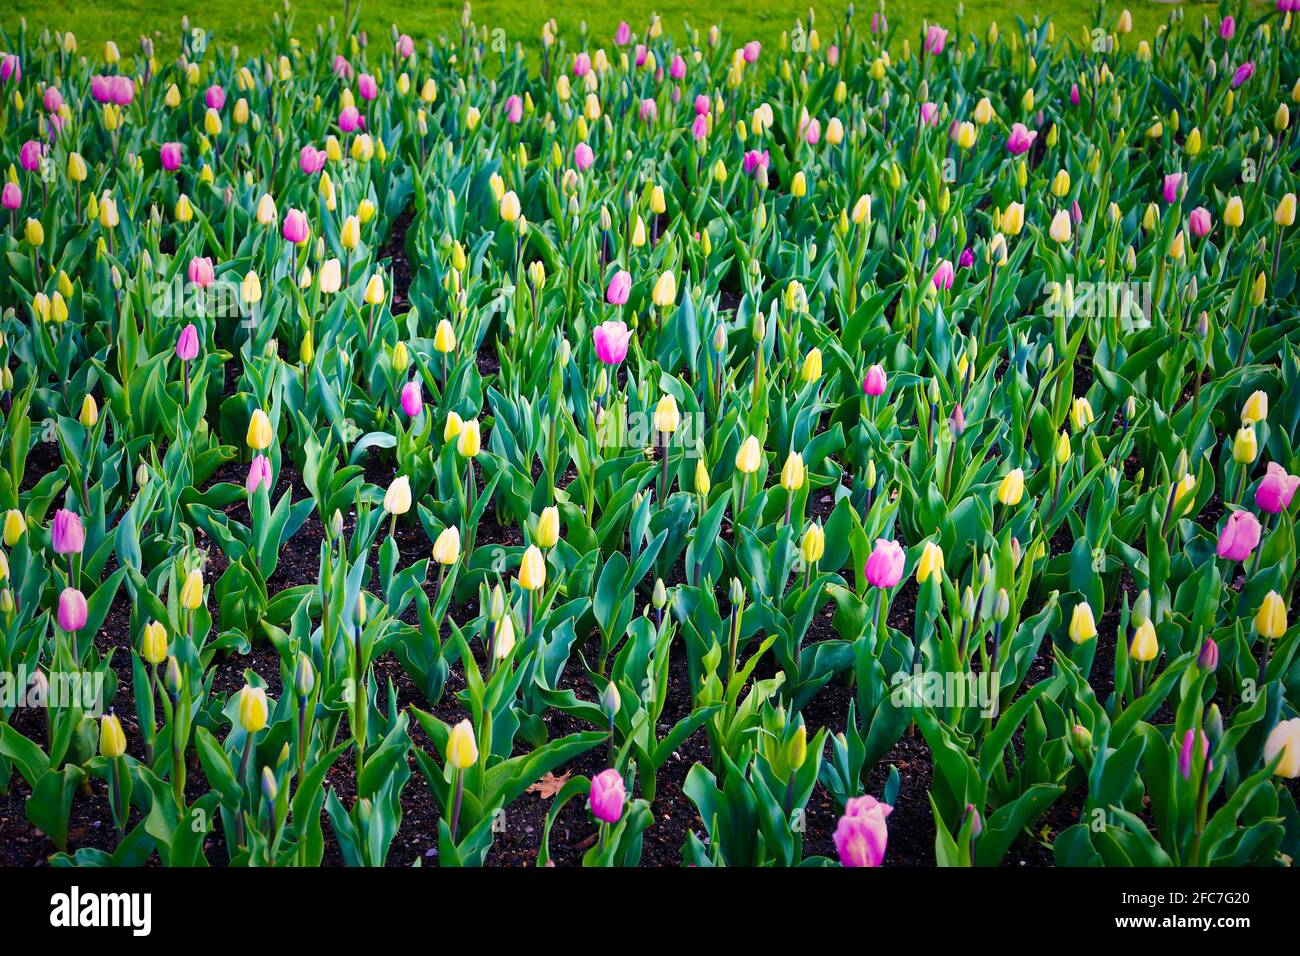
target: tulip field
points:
(657, 446)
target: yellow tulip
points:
(1012, 487)
(814, 544)
(666, 417)
(469, 442)
(1145, 647)
(153, 646)
(462, 750)
(253, 709)
(446, 550)
(260, 434)
(930, 563)
(1270, 621)
(192, 591)
(1256, 408)
(112, 740)
(1083, 626)
(532, 570)
(749, 456)
(548, 527)
(397, 499)
(444, 337)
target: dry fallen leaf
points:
(549, 785)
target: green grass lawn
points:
(246, 22)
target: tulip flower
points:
(15, 526)
(1276, 489)
(1256, 408)
(412, 400)
(1270, 620)
(468, 439)
(607, 796)
(664, 294)
(72, 610)
(1186, 752)
(943, 275)
(169, 156)
(259, 474)
(930, 563)
(1239, 537)
(812, 547)
(1012, 487)
(548, 527)
(260, 434)
(446, 549)
(1020, 140)
(1284, 742)
(67, 536)
(611, 339)
(112, 739)
(397, 499)
(750, 456)
(619, 287)
(884, 567)
(153, 644)
(1083, 626)
(192, 590)
(861, 834)
(296, 228)
(875, 381)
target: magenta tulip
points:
(367, 86)
(405, 46)
(11, 197)
(350, 119)
(943, 275)
(72, 610)
(677, 68)
(607, 796)
(259, 474)
(1201, 222)
(1188, 748)
(29, 155)
(752, 49)
(861, 834)
(700, 127)
(1021, 139)
(611, 340)
(311, 160)
(1227, 27)
(170, 156)
(187, 344)
(619, 287)
(100, 88)
(875, 382)
(1276, 490)
(649, 110)
(295, 228)
(1239, 536)
(581, 64)
(583, 157)
(1169, 189)
(1243, 73)
(214, 97)
(11, 68)
(412, 400)
(342, 68)
(884, 567)
(121, 90)
(623, 35)
(53, 99)
(514, 109)
(67, 536)
(936, 37)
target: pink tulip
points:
(170, 156)
(861, 834)
(677, 69)
(67, 536)
(101, 88)
(121, 90)
(514, 109)
(187, 344)
(943, 275)
(1275, 492)
(752, 49)
(702, 104)
(832, 55)
(581, 64)
(259, 474)
(874, 383)
(1208, 658)
(639, 54)
(412, 400)
(72, 610)
(1021, 139)
(1227, 27)
(11, 197)
(342, 68)
(700, 126)
(1185, 753)
(967, 258)
(214, 97)
(611, 340)
(1201, 222)
(1239, 536)
(11, 68)
(405, 46)
(1170, 187)
(52, 99)
(623, 35)
(619, 287)
(878, 23)
(311, 160)
(884, 566)
(367, 86)
(583, 157)
(200, 271)
(296, 228)
(607, 796)
(957, 421)
(29, 155)
(649, 110)
(350, 119)
(1074, 94)
(1243, 73)
(754, 159)
(812, 131)
(935, 39)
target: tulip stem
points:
(455, 805)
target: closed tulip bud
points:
(444, 337)
(548, 527)
(260, 434)
(112, 739)
(1081, 414)
(397, 499)
(1083, 626)
(1060, 229)
(1256, 408)
(1062, 453)
(813, 545)
(702, 482)
(1234, 213)
(1283, 745)
(792, 472)
(930, 563)
(1208, 658)
(1013, 219)
(1258, 289)
(153, 646)
(749, 456)
(1284, 215)
(15, 526)
(89, 413)
(664, 294)
(667, 418)
(375, 289)
(304, 677)
(1012, 487)
(1245, 446)
(34, 232)
(446, 550)
(1270, 620)
(812, 366)
(1144, 647)
(253, 709)
(532, 570)
(192, 590)
(1001, 605)
(462, 750)
(469, 440)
